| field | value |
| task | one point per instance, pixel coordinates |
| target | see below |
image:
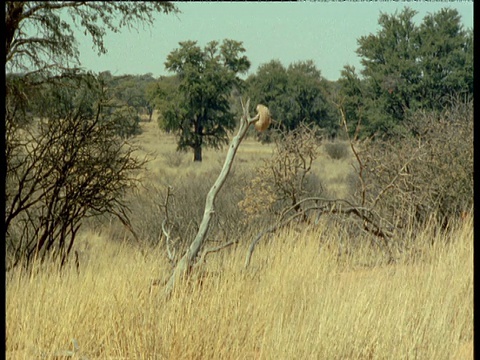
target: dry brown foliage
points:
(283, 180)
(427, 171)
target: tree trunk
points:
(197, 145)
(197, 153)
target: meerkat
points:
(264, 118)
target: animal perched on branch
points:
(264, 118)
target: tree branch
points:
(186, 261)
(362, 213)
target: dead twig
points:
(215, 249)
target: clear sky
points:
(323, 31)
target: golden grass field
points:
(297, 300)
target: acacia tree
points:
(64, 157)
(37, 37)
(201, 114)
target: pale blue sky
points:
(325, 32)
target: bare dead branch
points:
(186, 261)
(213, 250)
(170, 255)
(371, 221)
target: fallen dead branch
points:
(372, 222)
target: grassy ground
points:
(297, 300)
(165, 161)
(160, 149)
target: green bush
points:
(337, 150)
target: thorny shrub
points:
(428, 171)
(287, 177)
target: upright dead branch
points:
(187, 260)
(166, 232)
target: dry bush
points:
(287, 177)
(426, 172)
(178, 202)
(259, 195)
(64, 166)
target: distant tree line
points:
(407, 67)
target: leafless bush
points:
(65, 165)
(287, 177)
(178, 204)
(425, 175)
(429, 171)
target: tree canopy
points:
(200, 114)
(295, 94)
(38, 38)
(408, 67)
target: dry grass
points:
(297, 300)
(336, 175)
(166, 162)
(160, 149)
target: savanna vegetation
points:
(310, 291)
(345, 230)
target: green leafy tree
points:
(391, 71)
(350, 96)
(408, 67)
(132, 91)
(201, 116)
(294, 95)
(309, 91)
(446, 58)
(163, 94)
